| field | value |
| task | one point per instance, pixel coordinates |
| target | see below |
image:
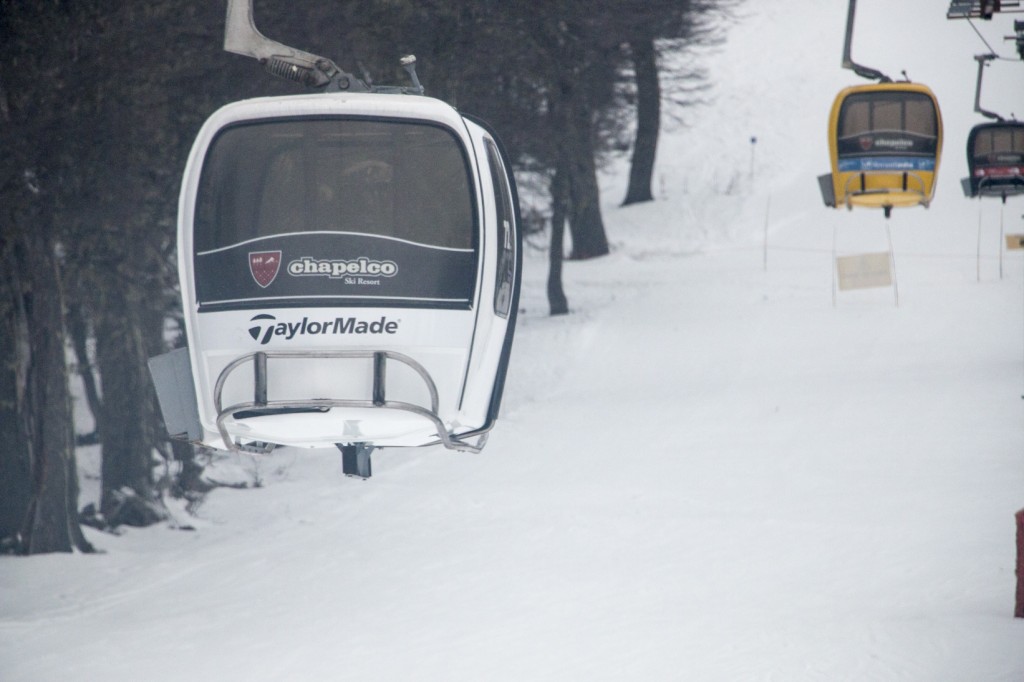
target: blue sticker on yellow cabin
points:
(886, 163)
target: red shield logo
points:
(264, 266)
(866, 142)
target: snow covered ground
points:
(707, 472)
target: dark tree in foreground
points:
(37, 462)
(15, 453)
(139, 107)
(38, 474)
(46, 518)
(99, 103)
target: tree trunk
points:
(556, 293)
(15, 458)
(648, 118)
(78, 331)
(128, 415)
(576, 145)
(41, 401)
(53, 517)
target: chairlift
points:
(349, 264)
(885, 140)
(995, 151)
(995, 160)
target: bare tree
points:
(677, 26)
(648, 119)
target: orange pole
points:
(1018, 611)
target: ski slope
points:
(708, 471)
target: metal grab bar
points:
(996, 185)
(862, 175)
(377, 400)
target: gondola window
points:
(357, 212)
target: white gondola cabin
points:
(349, 268)
(349, 264)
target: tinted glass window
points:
(912, 112)
(383, 178)
(887, 131)
(999, 141)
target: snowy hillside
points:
(707, 472)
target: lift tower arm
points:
(242, 37)
(848, 63)
(982, 60)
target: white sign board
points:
(864, 270)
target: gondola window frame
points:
(507, 240)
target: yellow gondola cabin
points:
(885, 140)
